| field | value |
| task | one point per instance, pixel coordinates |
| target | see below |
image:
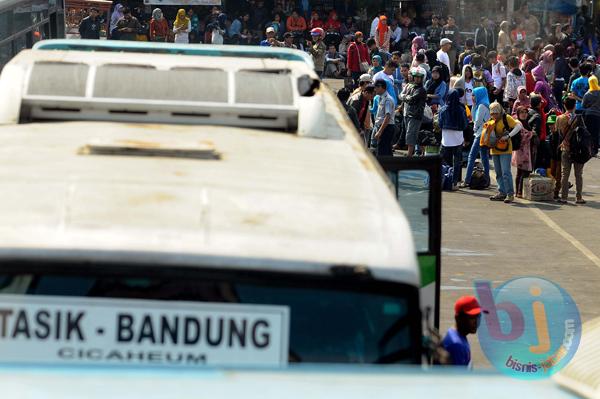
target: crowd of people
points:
(516, 91)
(525, 102)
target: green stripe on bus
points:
(427, 264)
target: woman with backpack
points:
(497, 135)
(453, 120)
(522, 158)
(481, 114)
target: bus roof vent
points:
(135, 148)
(251, 93)
(582, 374)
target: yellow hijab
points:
(593, 82)
(182, 20)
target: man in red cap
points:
(467, 314)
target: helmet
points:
(417, 71)
(317, 32)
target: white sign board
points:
(75, 330)
(185, 2)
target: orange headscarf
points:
(382, 28)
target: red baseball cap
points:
(467, 304)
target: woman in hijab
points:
(453, 121)
(529, 79)
(114, 18)
(333, 23)
(522, 158)
(436, 89)
(481, 114)
(159, 27)
(182, 27)
(467, 83)
(502, 152)
(382, 35)
(522, 100)
(377, 65)
(591, 106)
(547, 63)
(542, 87)
(418, 43)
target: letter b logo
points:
(517, 322)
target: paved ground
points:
(494, 241)
(484, 240)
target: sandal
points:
(580, 201)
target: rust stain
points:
(152, 198)
(180, 174)
(139, 143)
(256, 219)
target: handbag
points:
(428, 114)
(364, 65)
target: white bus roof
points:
(182, 191)
(314, 383)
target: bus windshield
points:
(331, 319)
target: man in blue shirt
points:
(580, 86)
(268, 42)
(467, 314)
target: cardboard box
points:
(538, 188)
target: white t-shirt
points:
(469, 93)
(452, 138)
(374, 27)
(498, 73)
(442, 56)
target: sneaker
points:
(509, 199)
(562, 201)
(455, 187)
(464, 185)
(498, 197)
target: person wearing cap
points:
(467, 314)
(442, 54)
(414, 98)
(357, 59)
(268, 42)
(317, 49)
(364, 80)
(288, 41)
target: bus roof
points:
(279, 53)
(200, 190)
(303, 382)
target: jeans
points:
(484, 153)
(504, 173)
(566, 172)
(453, 156)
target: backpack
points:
(447, 176)
(479, 180)
(516, 139)
(580, 142)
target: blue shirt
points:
(580, 86)
(265, 43)
(458, 347)
(235, 28)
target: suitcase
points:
(538, 188)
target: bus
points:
(26, 22)
(201, 210)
